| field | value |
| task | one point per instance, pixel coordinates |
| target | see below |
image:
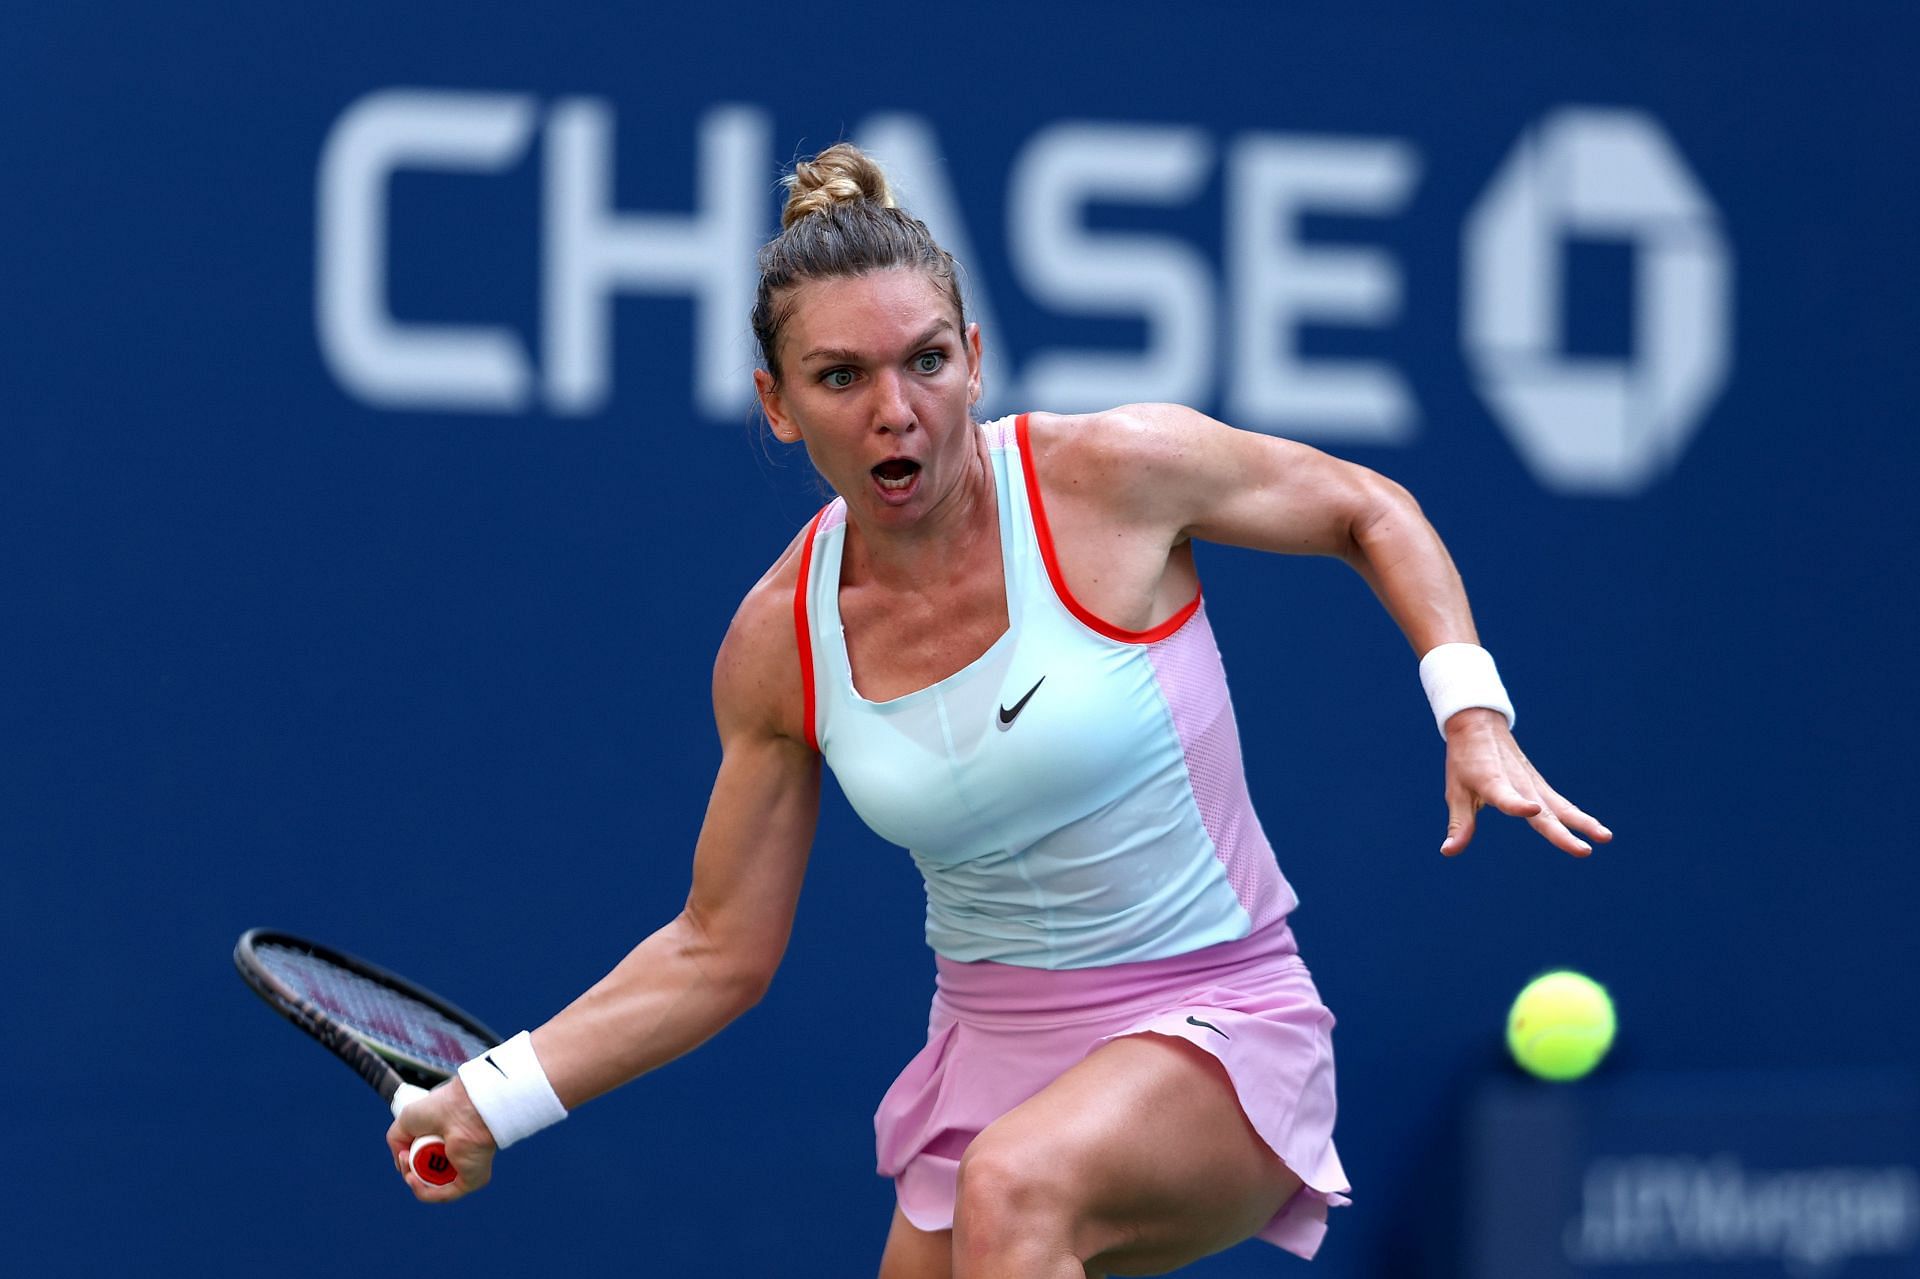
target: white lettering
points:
(1669, 1209)
(1582, 425)
(1608, 426)
(382, 361)
(1277, 284)
(1065, 167)
(592, 253)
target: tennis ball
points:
(1561, 1025)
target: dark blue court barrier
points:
(1724, 1173)
(379, 478)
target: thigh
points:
(1147, 1137)
(913, 1253)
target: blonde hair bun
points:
(842, 174)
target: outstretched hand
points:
(1485, 766)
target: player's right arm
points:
(715, 959)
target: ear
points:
(973, 364)
(785, 429)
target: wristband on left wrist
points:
(1460, 677)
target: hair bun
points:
(842, 174)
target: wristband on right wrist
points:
(1460, 676)
(510, 1090)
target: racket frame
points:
(398, 1078)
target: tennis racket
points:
(398, 1037)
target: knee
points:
(1008, 1193)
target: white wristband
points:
(1458, 676)
(511, 1092)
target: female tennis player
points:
(994, 636)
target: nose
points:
(892, 410)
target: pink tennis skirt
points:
(999, 1033)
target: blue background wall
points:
(433, 685)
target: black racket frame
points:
(383, 1073)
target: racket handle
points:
(428, 1155)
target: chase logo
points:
(1589, 425)
(588, 253)
(1224, 330)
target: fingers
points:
(1567, 818)
(1555, 831)
(1529, 803)
(1463, 802)
(1572, 816)
(399, 1141)
(1460, 823)
(1488, 768)
(1504, 796)
(1461, 806)
(400, 1136)
(472, 1160)
(475, 1170)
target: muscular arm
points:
(1166, 474)
(1188, 476)
(715, 959)
(712, 962)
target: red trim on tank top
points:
(1044, 534)
(802, 631)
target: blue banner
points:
(381, 474)
(1731, 1173)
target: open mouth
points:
(896, 474)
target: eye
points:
(838, 379)
(929, 361)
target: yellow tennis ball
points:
(1561, 1025)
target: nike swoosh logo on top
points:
(1195, 1021)
(1007, 716)
(496, 1065)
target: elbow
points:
(1383, 510)
(735, 987)
(748, 987)
(737, 975)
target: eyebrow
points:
(854, 357)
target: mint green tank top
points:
(1074, 797)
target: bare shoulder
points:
(1130, 460)
(756, 674)
(1129, 434)
(1175, 469)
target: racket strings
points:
(388, 1021)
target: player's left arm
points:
(1198, 478)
